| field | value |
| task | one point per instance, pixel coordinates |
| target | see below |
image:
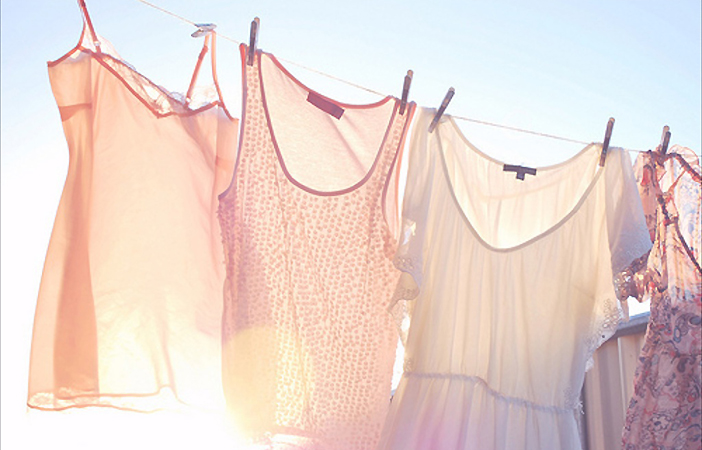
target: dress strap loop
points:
(89, 24)
(209, 45)
(203, 52)
(214, 74)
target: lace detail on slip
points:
(406, 261)
(160, 100)
(477, 381)
(573, 400)
(405, 264)
(406, 289)
(605, 325)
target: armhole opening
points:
(87, 28)
(213, 58)
(242, 123)
(78, 47)
(391, 210)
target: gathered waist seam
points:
(479, 381)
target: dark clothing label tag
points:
(325, 105)
(521, 170)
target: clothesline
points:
(358, 86)
(310, 69)
(520, 130)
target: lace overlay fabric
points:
(162, 101)
(665, 411)
(605, 324)
(308, 342)
(507, 299)
(155, 97)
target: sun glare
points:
(109, 429)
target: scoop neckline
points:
(279, 155)
(549, 230)
(187, 110)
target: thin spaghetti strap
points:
(89, 24)
(210, 40)
(213, 57)
(203, 52)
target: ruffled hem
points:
(163, 399)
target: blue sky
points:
(556, 67)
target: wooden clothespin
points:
(203, 29)
(253, 37)
(442, 108)
(605, 144)
(665, 140)
(405, 91)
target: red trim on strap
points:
(203, 52)
(89, 23)
(211, 45)
(213, 57)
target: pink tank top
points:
(308, 226)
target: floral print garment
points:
(665, 411)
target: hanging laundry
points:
(665, 411)
(509, 284)
(309, 225)
(129, 308)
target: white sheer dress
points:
(509, 286)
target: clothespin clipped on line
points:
(665, 140)
(605, 144)
(253, 38)
(442, 108)
(203, 29)
(405, 91)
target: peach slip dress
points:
(665, 411)
(130, 302)
(513, 291)
(308, 225)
